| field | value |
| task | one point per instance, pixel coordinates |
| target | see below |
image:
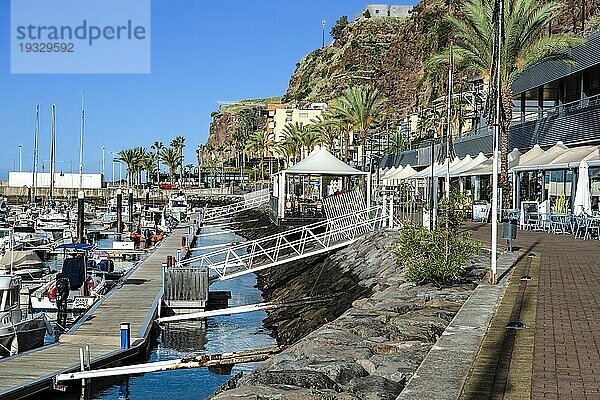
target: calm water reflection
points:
(185, 339)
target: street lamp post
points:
(497, 98)
(103, 148)
(20, 158)
(323, 23)
(113, 166)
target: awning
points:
(486, 167)
(322, 162)
(400, 175)
(459, 170)
(561, 157)
(439, 169)
(544, 158)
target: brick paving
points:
(566, 353)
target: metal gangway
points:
(333, 233)
(251, 200)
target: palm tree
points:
(129, 157)
(149, 166)
(360, 107)
(157, 147)
(525, 22)
(171, 157)
(288, 150)
(260, 142)
(310, 139)
(179, 143)
(327, 128)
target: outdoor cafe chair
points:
(593, 226)
(559, 223)
(579, 227)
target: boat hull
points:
(30, 335)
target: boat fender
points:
(49, 327)
(14, 345)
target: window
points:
(303, 115)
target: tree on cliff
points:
(338, 28)
(360, 107)
(525, 21)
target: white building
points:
(384, 10)
(61, 180)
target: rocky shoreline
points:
(365, 340)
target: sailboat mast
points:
(81, 141)
(35, 153)
(52, 150)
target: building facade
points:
(279, 117)
(61, 180)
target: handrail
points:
(251, 200)
(291, 245)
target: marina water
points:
(186, 339)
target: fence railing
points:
(291, 245)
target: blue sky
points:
(203, 51)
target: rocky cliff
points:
(237, 120)
(387, 53)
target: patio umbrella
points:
(582, 204)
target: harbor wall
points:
(367, 340)
(23, 194)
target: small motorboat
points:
(178, 207)
(100, 264)
(74, 288)
(24, 263)
(18, 333)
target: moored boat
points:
(18, 333)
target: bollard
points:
(80, 216)
(125, 336)
(130, 205)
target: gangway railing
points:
(251, 200)
(291, 245)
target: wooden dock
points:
(135, 302)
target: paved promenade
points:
(557, 356)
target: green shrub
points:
(437, 256)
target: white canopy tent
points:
(561, 157)
(320, 162)
(400, 175)
(389, 177)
